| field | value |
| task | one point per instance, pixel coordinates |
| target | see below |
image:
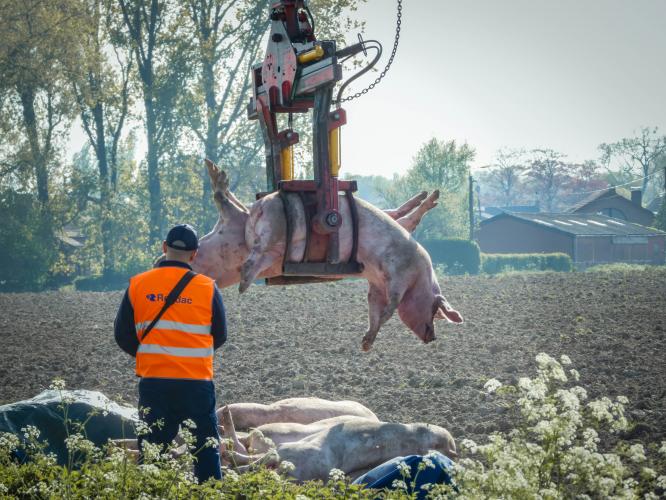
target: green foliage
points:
(622, 267)
(441, 165)
(454, 255)
(494, 263)
(28, 247)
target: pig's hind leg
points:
(413, 218)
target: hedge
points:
(101, 283)
(493, 263)
(456, 255)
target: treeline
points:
(168, 75)
(171, 79)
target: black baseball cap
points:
(182, 237)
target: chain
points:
(388, 64)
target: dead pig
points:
(398, 269)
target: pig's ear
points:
(218, 177)
(443, 310)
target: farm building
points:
(588, 238)
(613, 204)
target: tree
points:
(37, 50)
(102, 92)
(638, 154)
(549, 174)
(505, 175)
(442, 165)
(163, 54)
(228, 37)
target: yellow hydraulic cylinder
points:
(287, 160)
(334, 151)
(311, 55)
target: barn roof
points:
(582, 224)
(593, 197)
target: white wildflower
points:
(141, 428)
(492, 385)
(189, 423)
(661, 482)
(426, 486)
(30, 432)
(623, 400)
(580, 392)
(286, 467)
(8, 442)
(590, 439)
(574, 374)
(77, 443)
(3, 489)
(231, 474)
(651, 496)
(469, 445)
(637, 453)
(398, 484)
(149, 469)
(57, 384)
(606, 485)
(428, 463)
(404, 469)
(565, 360)
(648, 473)
(629, 484)
(662, 450)
(211, 442)
(300, 496)
(336, 475)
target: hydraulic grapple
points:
(299, 73)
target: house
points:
(611, 203)
(587, 238)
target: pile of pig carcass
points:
(317, 435)
(247, 244)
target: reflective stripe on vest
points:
(175, 325)
(185, 352)
(180, 345)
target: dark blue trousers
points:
(175, 400)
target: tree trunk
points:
(39, 157)
(106, 223)
(154, 188)
(211, 146)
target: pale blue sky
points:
(563, 74)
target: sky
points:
(560, 74)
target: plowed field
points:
(296, 341)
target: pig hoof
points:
(366, 345)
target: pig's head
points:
(421, 305)
(441, 440)
(222, 251)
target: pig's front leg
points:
(256, 263)
(381, 306)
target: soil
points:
(305, 341)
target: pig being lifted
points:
(398, 269)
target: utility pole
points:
(471, 208)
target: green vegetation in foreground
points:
(554, 453)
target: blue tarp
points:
(44, 412)
(383, 475)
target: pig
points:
(223, 251)
(296, 410)
(398, 270)
(354, 445)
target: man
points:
(175, 358)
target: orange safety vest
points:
(180, 345)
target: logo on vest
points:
(158, 297)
